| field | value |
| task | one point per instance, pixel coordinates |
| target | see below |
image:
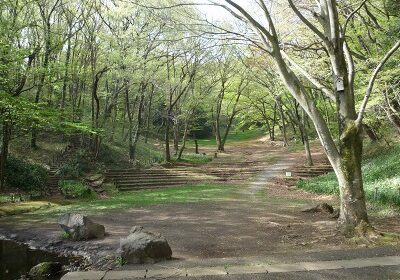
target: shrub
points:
(25, 176)
(76, 189)
(74, 168)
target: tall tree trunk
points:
(196, 144)
(221, 146)
(177, 132)
(66, 73)
(113, 125)
(309, 161)
(4, 153)
(346, 161)
(96, 110)
(167, 126)
(185, 133)
(218, 137)
(273, 124)
(285, 140)
(353, 214)
(133, 142)
(148, 117)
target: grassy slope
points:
(48, 147)
(235, 136)
(381, 175)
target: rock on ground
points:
(142, 246)
(79, 227)
(45, 270)
(321, 208)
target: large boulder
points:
(142, 246)
(45, 270)
(79, 227)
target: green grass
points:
(235, 136)
(126, 200)
(196, 158)
(9, 209)
(380, 173)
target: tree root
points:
(365, 234)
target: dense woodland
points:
(131, 72)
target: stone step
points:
(127, 183)
(220, 171)
(156, 176)
(311, 172)
(151, 187)
(156, 181)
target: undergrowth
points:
(380, 174)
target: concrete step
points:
(155, 176)
(151, 187)
(154, 183)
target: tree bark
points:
(4, 153)
(133, 142)
(285, 140)
(167, 148)
(148, 117)
(309, 160)
(177, 132)
(353, 214)
(185, 133)
(196, 144)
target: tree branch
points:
(351, 15)
(307, 75)
(306, 22)
(372, 81)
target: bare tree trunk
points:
(66, 73)
(309, 161)
(4, 153)
(113, 125)
(285, 140)
(167, 126)
(133, 142)
(185, 133)
(196, 144)
(148, 117)
(273, 124)
(96, 110)
(218, 137)
(177, 132)
(348, 171)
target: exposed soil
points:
(263, 217)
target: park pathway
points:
(260, 223)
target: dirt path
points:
(259, 219)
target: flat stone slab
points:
(204, 271)
(234, 270)
(131, 274)
(84, 275)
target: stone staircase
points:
(57, 162)
(182, 174)
(320, 167)
(136, 179)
